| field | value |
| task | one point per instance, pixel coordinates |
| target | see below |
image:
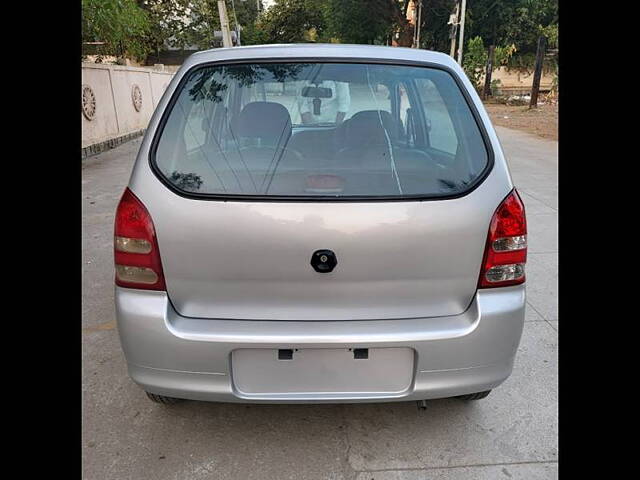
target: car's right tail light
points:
(506, 251)
(137, 257)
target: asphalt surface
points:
(512, 434)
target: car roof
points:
(321, 51)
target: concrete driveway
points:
(512, 434)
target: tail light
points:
(506, 251)
(137, 257)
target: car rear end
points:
(320, 224)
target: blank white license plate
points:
(318, 372)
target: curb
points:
(100, 147)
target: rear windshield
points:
(320, 130)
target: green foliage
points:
(503, 54)
(199, 30)
(475, 59)
(343, 21)
(515, 22)
(247, 11)
(505, 22)
(167, 18)
(498, 22)
(288, 21)
(434, 33)
(554, 88)
(135, 28)
(121, 24)
(361, 21)
(252, 34)
(495, 87)
(551, 32)
(191, 23)
(247, 15)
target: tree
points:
(343, 21)
(121, 24)
(199, 27)
(518, 22)
(135, 27)
(475, 59)
(247, 16)
(434, 33)
(362, 21)
(497, 22)
(168, 17)
(196, 21)
(246, 11)
(291, 21)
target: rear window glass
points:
(320, 130)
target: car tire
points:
(162, 399)
(475, 396)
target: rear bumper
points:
(171, 355)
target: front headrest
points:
(364, 128)
(265, 120)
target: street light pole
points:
(224, 24)
(453, 21)
(238, 26)
(418, 23)
(415, 25)
(461, 42)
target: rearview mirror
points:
(317, 92)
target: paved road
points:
(512, 434)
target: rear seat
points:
(315, 146)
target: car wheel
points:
(162, 399)
(475, 396)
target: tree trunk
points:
(535, 87)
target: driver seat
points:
(268, 124)
(366, 137)
(260, 132)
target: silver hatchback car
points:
(320, 223)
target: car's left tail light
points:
(137, 257)
(506, 248)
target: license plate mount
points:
(322, 372)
